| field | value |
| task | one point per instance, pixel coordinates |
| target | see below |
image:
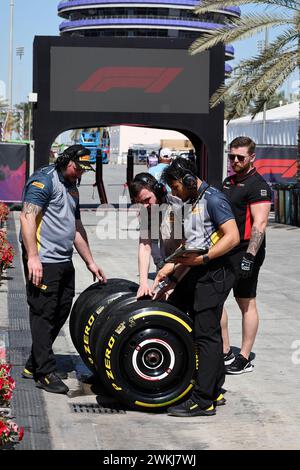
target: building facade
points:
(152, 18)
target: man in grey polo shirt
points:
(50, 226)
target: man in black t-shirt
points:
(250, 198)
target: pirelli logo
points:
(38, 184)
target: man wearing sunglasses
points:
(50, 226)
(250, 198)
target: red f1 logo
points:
(287, 168)
(151, 79)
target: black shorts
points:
(246, 288)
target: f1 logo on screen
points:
(287, 169)
(129, 80)
(151, 79)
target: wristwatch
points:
(205, 259)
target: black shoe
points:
(28, 373)
(220, 400)
(52, 383)
(241, 365)
(228, 357)
(190, 408)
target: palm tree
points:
(256, 79)
(22, 112)
(75, 134)
(3, 106)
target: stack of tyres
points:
(142, 351)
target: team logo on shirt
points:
(263, 192)
(216, 236)
(38, 184)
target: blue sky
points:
(39, 17)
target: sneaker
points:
(52, 383)
(28, 374)
(228, 357)
(190, 408)
(241, 365)
(220, 400)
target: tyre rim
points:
(153, 359)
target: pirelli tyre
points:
(145, 356)
(142, 351)
(88, 308)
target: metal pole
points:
(129, 170)
(265, 105)
(99, 178)
(10, 63)
(29, 121)
(10, 66)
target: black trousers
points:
(49, 308)
(201, 294)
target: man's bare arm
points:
(260, 214)
(29, 208)
(29, 226)
(28, 229)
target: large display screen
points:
(129, 80)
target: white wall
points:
(281, 126)
(281, 132)
(124, 137)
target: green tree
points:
(255, 80)
(22, 111)
(3, 106)
(75, 134)
(278, 99)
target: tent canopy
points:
(281, 126)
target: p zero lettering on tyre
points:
(89, 308)
(145, 354)
(142, 351)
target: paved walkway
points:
(262, 410)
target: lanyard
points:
(200, 194)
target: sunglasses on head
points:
(240, 158)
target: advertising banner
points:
(13, 166)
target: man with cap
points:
(164, 159)
(50, 226)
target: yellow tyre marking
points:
(165, 314)
(159, 405)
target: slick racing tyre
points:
(142, 351)
(89, 306)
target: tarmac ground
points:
(262, 409)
